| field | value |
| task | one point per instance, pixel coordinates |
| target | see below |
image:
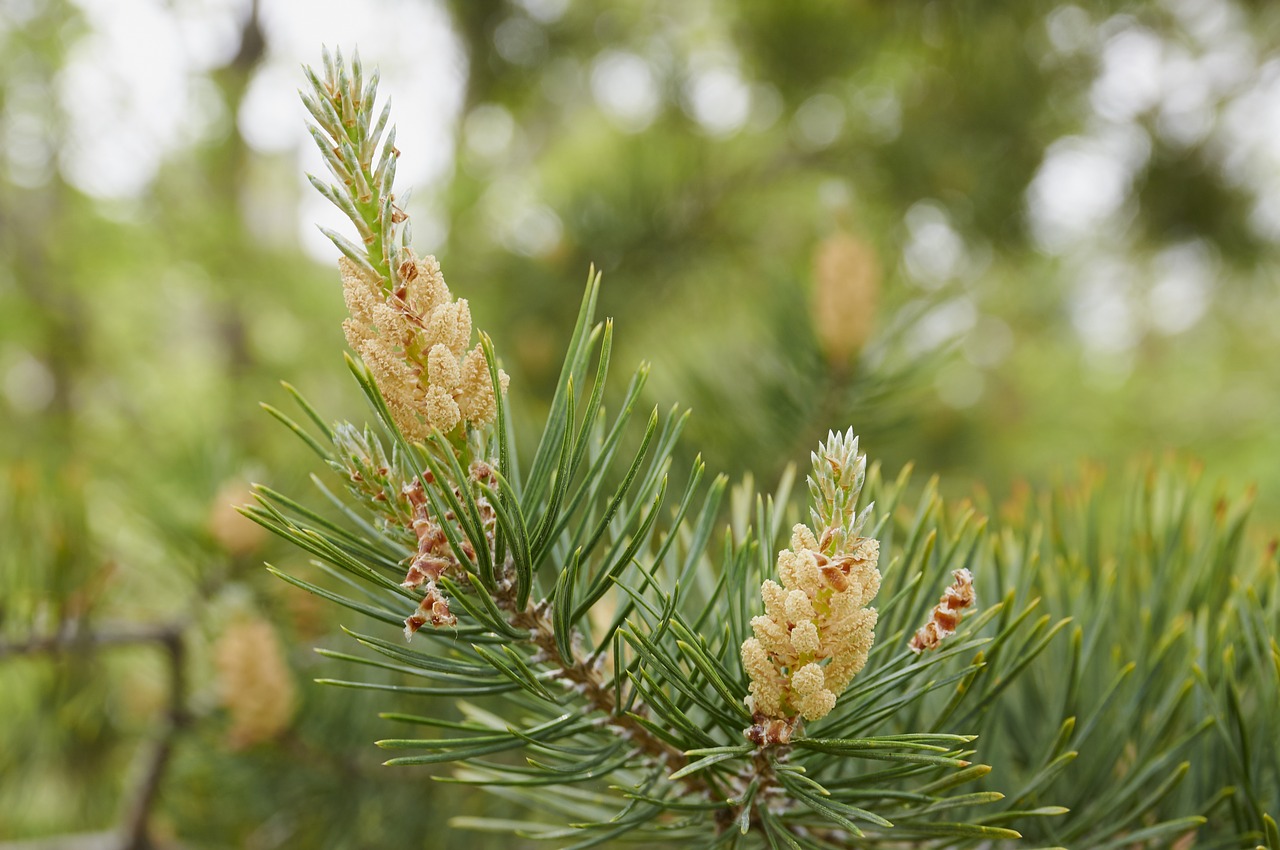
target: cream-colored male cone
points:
(846, 290)
(816, 632)
(254, 681)
(415, 345)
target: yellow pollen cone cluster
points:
(414, 341)
(254, 681)
(846, 277)
(816, 630)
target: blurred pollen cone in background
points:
(846, 289)
(254, 682)
(235, 533)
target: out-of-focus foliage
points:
(1072, 209)
(1079, 196)
(1155, 709)
(138, 336)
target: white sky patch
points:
(818, 122)
(489, 130)
(1248, 146)
(28, 384)
(1202, 85)
(1230, 64)
(719, 99)
(626, 89)
(1208, 21)
(1131, 77)
(259, 118)
(1264, 218)
(1069, 29)
(545, 11)
(935, 253)
(1250, 124)
(1184, 276)
(1186, 113)
(18, 12)
(522, 223)
(520, 41)
(1102, 308)
(209, 29)
(1083, 183)
(133, 89)
(123, 90)
(26, 144)
(423, 71)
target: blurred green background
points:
(995, 236)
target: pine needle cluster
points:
(580, 639)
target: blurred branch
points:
(81, 841)
(72, 637)
(139, 801)
(253, 42)
(134, 836)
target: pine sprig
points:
(591, 633)
(653, 679)
(838, 475)
(361, 156)
(642, 708)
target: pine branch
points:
(619, 654)
(584, 675)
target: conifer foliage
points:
(605, 652)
